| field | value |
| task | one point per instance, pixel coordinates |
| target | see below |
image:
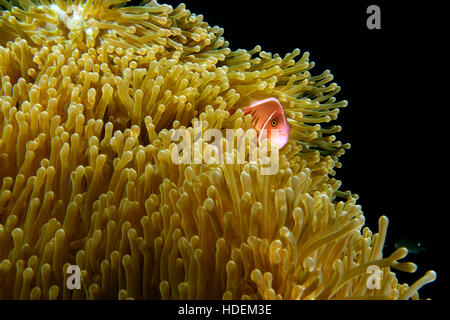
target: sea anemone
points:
(91, 94)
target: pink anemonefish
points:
(268, 114)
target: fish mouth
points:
(280, 140)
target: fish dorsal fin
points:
(266, 106)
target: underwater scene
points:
(196, 150)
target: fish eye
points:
(274, 123)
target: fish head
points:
(269, 120)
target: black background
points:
(395, 82)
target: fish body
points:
(267, 115)
(413, 246)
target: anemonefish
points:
(413, 246)
(268, 114)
